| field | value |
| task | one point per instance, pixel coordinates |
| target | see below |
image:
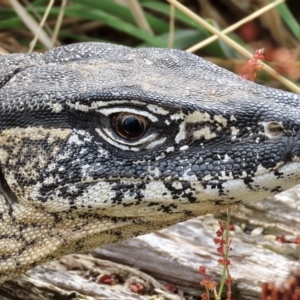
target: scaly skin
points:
(99, 143)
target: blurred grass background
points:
(146, 23)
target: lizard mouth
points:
(257, 187)
(106, 195)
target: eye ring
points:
(129, 126)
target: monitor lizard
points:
(99, 143)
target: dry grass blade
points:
(32, 44)
(32, 25)
(234, 45)
(139, 16)
(59, 22)
(235, 26)
(172, 26)
(30, 8)
(3, 51)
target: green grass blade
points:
(11, 23)
(124, 13)
(289, 19)
(165, 10)
(83, 12)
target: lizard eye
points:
(129, 129)
(129, 126)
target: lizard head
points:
(101, 142)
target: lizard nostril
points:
(273, 129)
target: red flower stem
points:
(207, 292)
(225, 267)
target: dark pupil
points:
(131, 125)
